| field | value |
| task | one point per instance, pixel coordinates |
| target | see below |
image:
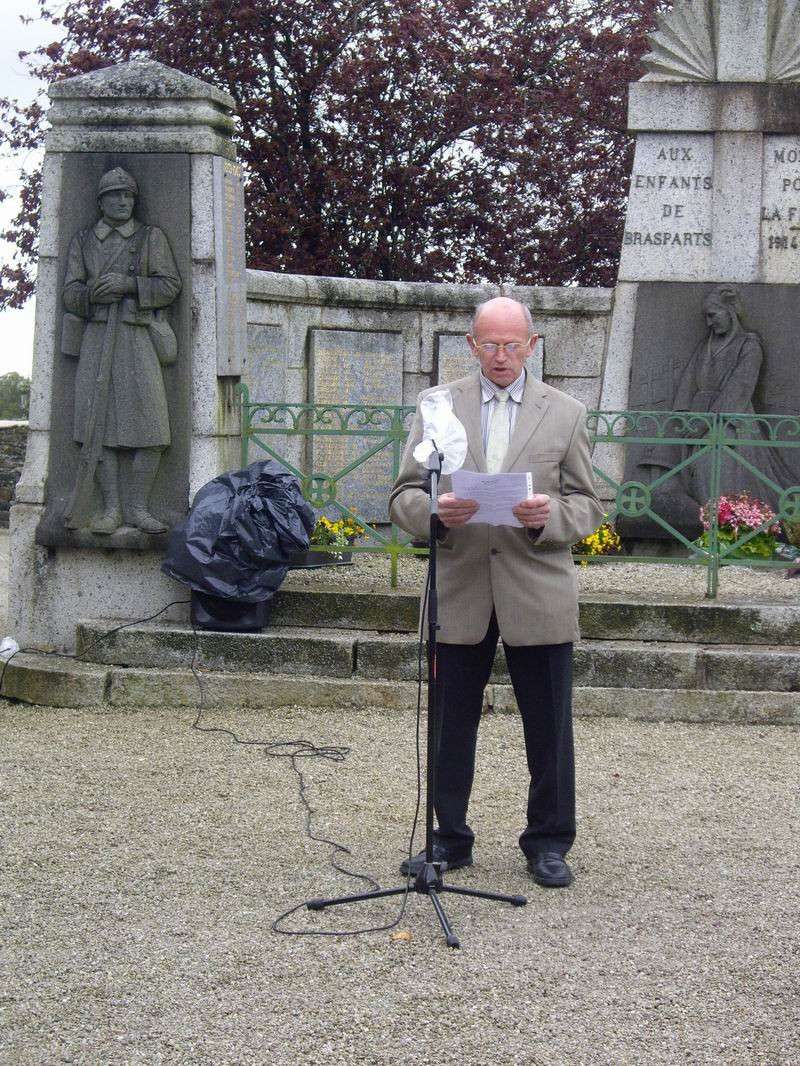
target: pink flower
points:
(740, 513)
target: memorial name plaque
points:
(230, 263)
(780, 215)
(265, 372)
(356, 367)
(668, 228)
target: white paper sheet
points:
(497, 494)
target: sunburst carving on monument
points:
(683, 48)
(784, 60)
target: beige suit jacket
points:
(528, 581)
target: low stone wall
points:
(322, 340)
(340, 341)
(13, 440)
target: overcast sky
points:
(16, 327)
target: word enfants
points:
(682, 182)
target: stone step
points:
(394, 612)
(60, 681)
(345, 653)
(601, 617)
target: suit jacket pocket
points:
(546, 475)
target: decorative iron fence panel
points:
(699, 448)
(381, 428)
(716, 454)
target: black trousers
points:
(542, 678)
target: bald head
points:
(504, 311)
(502, 338)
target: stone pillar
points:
(714, 200)
(171, 134)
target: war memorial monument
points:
(148, 321)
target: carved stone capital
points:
(140, 106)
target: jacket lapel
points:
(530, 414)
(467, 409)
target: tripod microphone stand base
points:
(428, 882)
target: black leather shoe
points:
(550, 870)
(413, 867)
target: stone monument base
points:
(66, 584)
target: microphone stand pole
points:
(428, 881)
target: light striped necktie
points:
(497, 440)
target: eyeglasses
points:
(512, 349)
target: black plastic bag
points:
(238, 538)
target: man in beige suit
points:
(517, 583)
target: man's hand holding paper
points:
(454, 512)
(534, 512)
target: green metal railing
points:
(380, 428)
(726, 448)
(714, 444)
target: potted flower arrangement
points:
(738, 515)
(603, 541)
(339, 534)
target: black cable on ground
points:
(338, 847)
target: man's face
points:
(502, 343)
(116, 205)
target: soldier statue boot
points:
(108, 522)
(143, 473)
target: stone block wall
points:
(316, 339)
(338, 340)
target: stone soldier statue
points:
(120, 274)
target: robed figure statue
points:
(722, 376)
(120, 274)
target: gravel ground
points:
(143, 864)
(736, 583)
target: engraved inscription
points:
(231, 271)
(668, 232)
(356, 367)
(780, 211)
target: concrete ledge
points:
(333, 649)
(55, 681)
(269, 286)
(729, 668)
(179, 688)
(346, 653)
(393, 612)
(696, 623)
(637, 664)
(63, 682)
(601, 618)
(327, 653)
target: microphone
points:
(435, 458)
(443, 447)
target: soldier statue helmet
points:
(117, 179)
